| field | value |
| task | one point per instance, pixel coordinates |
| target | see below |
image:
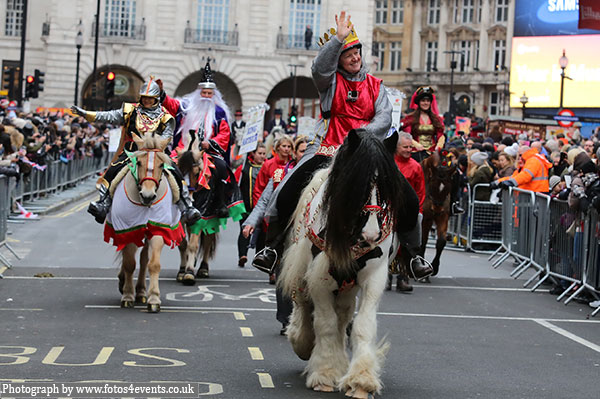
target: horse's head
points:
(438, 169)
(149, 162)
(363, 190)
(191, 163)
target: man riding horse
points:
(427, 130)
(137, 119)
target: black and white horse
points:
(339, 246)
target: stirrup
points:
(263, 252)
(425, 264)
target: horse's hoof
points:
(153, 308)
(121, 283)
(141, 299)
(359, 393)
(188, 279)
(202, 273)
(323, 388)
(127, 304)
(180, 276)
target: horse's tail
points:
(209, 246)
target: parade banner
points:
(254, 128)
(306, 127)
(396, 98)
(463, 124)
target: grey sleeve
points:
(382, 121)
(258, 213)
(169, 128)
(325, 64)
(114, 117)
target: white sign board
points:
(114, 139)
(254, 128)
(306, 126)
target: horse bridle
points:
(440, 174)
(150, 163)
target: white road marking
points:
(255, 353)
(569, 335)
(246, 332)
(265, 380)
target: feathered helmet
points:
(350, 42)
(207, 82)
(150, 89)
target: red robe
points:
(413, 172)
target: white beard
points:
(199, 112)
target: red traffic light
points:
(110, 76)
(29, 79)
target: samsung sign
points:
(548, 18)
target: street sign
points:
(566, 118)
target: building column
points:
(415, 58)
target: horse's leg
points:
(190, 262)
(323, 370)
(208, 247)
(127, 269)
(182, 257)
(425, 229)
(156, 245)
(441, 224)
(363, 377)
(140, 287)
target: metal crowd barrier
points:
(57, 176)
(547, 235)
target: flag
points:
(589, 14)
(463, 124)
(24, 213)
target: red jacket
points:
(413, 172)
(266, 172)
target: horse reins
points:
(150, 163)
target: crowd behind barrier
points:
(544, 234)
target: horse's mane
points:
(361, 161)
(186, 162)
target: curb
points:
(61, 204)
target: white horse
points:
(340, 244)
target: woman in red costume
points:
(424, 124)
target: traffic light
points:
(109, 85)
(38, 82)
(8, 80)
(30, 87)
(294, 114)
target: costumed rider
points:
(427, 129)
(204, 112)
(146, 116)
(350, 99)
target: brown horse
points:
(438, 169)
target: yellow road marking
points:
(265, 380)
(3, 269)
(255, 353)
(246, 332)
(239, 316)
(71, 211)
(9, 239)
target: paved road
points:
(472, 333)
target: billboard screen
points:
(543, 29)
(535, 71)
(548, 18)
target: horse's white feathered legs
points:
(367, 356)
(155, 248)
(300, 331)
(329, 361)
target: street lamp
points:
(453, 65)
(78, 44)
(563, 62)
(524, 100)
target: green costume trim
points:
(214, 225)
(132, 164)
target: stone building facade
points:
(254, 46)
(415, 41)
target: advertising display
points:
(543, 29)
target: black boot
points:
(99, 209)
(456, 209)
(402, 285)
(419, 268)
(266, 259)
(189, 214)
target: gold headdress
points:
(350, 41)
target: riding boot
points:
(417, 267)
(99, 209)
(402, 284)
(455, 208)
(266, 259)
(189, 214)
